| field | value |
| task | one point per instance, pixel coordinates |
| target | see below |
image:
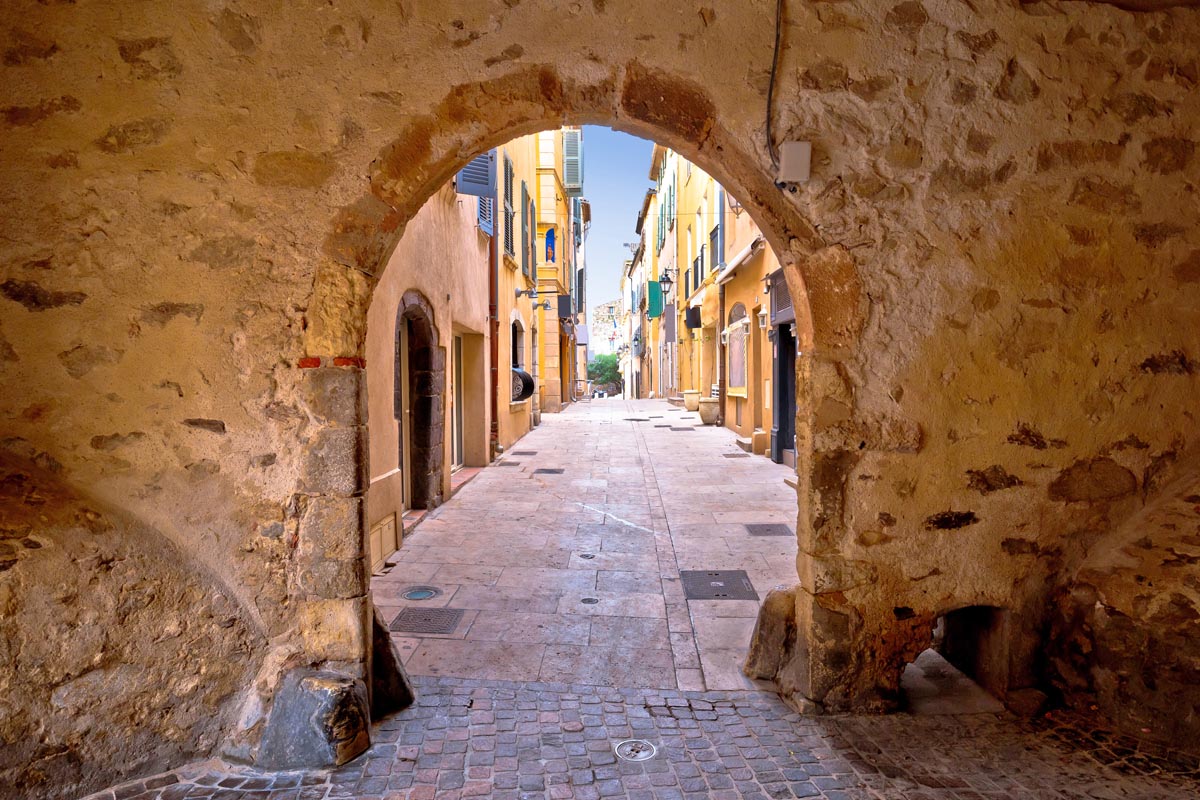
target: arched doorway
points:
(420, 368)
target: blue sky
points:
(615, 183)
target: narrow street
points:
(562, 562)
(556, 574)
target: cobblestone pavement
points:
(565, 557)
(471, 738)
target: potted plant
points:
(691, 399)
(710, 410)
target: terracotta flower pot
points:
(710, 410)
(691, 399)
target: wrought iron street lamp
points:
(665, 281)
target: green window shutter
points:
(533, 259)
(654, 300)
(524, 228)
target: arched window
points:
(737, 335)
(518, 344)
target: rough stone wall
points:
(1012, 198)
(117, 656)
(1126, 630)
(998, 250)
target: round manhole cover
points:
(421, 593)
(635, 750)
(588, 556)
(590, 601)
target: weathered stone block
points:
(331, 526)
(335, 629)
(319, 719)
(332, 579)
(335, 462)
(1090, 481)
(335, 395)
(774, 634)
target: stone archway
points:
(822, 280)
(421, 368)
(997, 222)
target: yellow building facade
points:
(718, 331)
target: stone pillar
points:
(329, 577)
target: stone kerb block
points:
(319, 719)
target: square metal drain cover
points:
(662, 426)
(427, 620)
(523, 452)
(725, 584)
(507, 464)
(547, 471)
(769, 529)
(688, 428)
(736, 455)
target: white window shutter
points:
(573, 162)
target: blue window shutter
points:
(573, 162)
(486, 206)
(478, 177)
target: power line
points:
(771, 83)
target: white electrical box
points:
(795, 162)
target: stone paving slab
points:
(538, 741)
(633, 506)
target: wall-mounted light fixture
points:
(665, 281)
(762, 318)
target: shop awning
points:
(742, 257)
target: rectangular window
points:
(737, 357)
(486, 204)
(508, 207)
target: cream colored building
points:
(473, 328)
(427, 366)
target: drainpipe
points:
(494, 326)
(720, 354)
